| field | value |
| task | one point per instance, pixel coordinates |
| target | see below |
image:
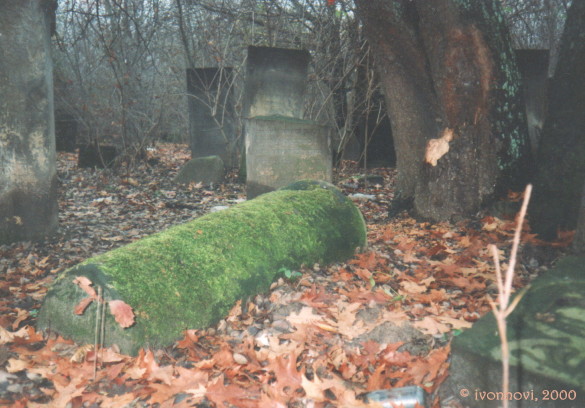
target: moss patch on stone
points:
(286, 119)
(190, 275)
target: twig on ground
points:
(504, 307)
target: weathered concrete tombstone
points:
(209, 169)
(66, 129)
(28, 174)
(281, 150)
(280, 147)
(546, 337)
(96, 155)
(190, 275)
(374, 134)
(533, 65)
(276, 81)
(211, 113)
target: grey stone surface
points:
(66, 129)
(28, 176)
(211, 113)
(282, 150)
(534, 66)
(208, 169)
(276, 81)
(546, 336)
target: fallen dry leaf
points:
(122, 313)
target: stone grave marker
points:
(96, 155)
(281, 150)
(190, 275)
(276, 81)
(546, 337)
(211, 113)
(533, 66)
(209, 169)
(65, 132)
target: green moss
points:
(189, 276)
(285, 119)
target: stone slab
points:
(546, 335)
(281, 150)
(208, 169)
(211, 113)
(276, 81)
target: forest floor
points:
(322, 337)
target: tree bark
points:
(579, 240)
(561, 156)
(28, 174)
(444, 65)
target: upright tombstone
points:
(65, 132)
(281, 150)
(533, 65)
(280, 147)
(211, 113)
(276, 81)
(373, 132)
(28, 176)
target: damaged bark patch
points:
(468, 63)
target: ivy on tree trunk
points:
(449, 64)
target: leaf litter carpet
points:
(322, 337)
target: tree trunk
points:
(28, 176)
(561, 156)
(445, 65)
(579, 240)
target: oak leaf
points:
(122, 313)
(82, 305)
(85, 284)
(428, 325)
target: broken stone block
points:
(207, 170)
(546, 336)
(96, 155)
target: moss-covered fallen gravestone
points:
(190, 275)
(546, 335)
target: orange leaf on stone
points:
(82, 305)
(122, 313)
(85, 284)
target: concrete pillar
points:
(28, 176)
(211, 113)
(281, 150)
